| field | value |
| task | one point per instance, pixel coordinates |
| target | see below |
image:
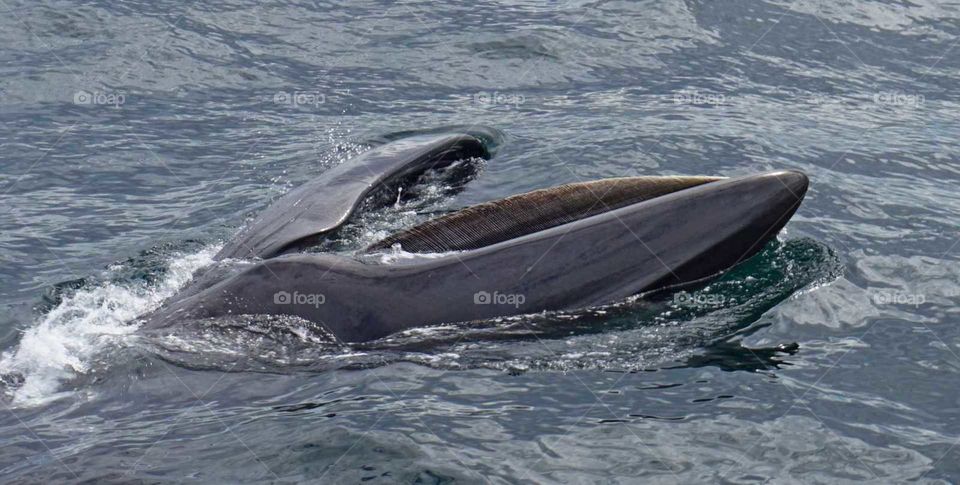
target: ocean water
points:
(138, 136)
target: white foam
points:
(68, 338)
(396, 253)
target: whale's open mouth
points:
(500, 220)
(572, 246)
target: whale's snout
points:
(794, 181)
(727, 222)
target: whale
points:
(573, 246)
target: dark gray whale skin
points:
(670, 240)
(325, 203)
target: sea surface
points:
(138, 136)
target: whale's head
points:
(572, 246)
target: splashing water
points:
(69, 340)
(66, 341)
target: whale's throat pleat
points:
(500, 220)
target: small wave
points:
(66, 342)
(396, 254)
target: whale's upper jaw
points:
(701, 226)
(755, 209)
(794, 181)
(516, 216)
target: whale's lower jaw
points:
(497, 221)
(326, 203)
(677, 238)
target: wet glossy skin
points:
(678, 238)
(325, 203)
